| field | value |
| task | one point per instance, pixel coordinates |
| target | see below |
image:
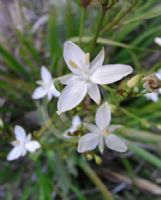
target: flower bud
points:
(134, 81)
(152, 83)
(98, 160)
(89, 156)
(85, 3)
(113, 108)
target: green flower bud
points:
(134, 81)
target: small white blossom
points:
(153, 96)
(101, 134)
(86, 76)
(157, 40)
(22, 144)
(76, 123)
(46, 86)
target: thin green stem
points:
(93, 176)
(119, 17)
(96, 35)
(130, 114)
(154, 160)
(81, 24)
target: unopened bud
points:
(89, 156)
(85, 3)
(134, 81)
(152, 83)
(113, 108)
(98, 160)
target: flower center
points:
(106, 132)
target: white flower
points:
(46, 86)
(85, 76)
(158, 41)
(76, 122)
(102, 133)
(22, 144)
(158, 74)
(153, 96)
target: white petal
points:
(32, 146)
(66, 79)
(28, 138)
(39, 93)
(49, 95)
(52, 91)
(88, 142)
(73, 53)
(112, 128)
(20, 133)
(158, 41)
(24, 151)
(158, 74)
(76, 121)
(103, 116)
(71, 96)
(66, 134)
(152, 96)
(45, 75)
(91, 127)
(15, 153)
(159, 91)
(111, 73)
(98, 61)
(115, 143)
(101, 145)
(94, 92)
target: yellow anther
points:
(106, 132)
(73, 64)
(87, 57)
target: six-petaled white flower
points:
(76, 123)
(102, 133)
(22, 144)
(86, 76)
(46, 86)
(157, 40)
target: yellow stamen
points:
(73, 64)
(106, 132)
(87, 57)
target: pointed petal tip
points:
(68, 42)
(103, 116)
(58, 112)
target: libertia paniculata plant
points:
(86, 102)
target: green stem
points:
(154, 160)
(81, 25)
(100, 22)
(119, 17)
(93, 176)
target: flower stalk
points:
(118, 17)
(93, 176)
(100, 22)
(83, 11)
